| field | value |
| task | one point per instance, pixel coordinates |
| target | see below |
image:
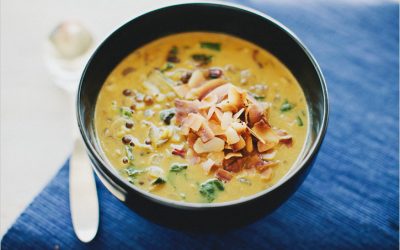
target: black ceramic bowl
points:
(236, 20)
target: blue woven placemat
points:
(349, 200)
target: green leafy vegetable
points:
(166, 115)
(210, 45)
(167, 67)
(210, 188)
(176, 168)
(286, 106)
(125, 112)
(158, 181)
(299, 121)
(129, 153)
(203, 59)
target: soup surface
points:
(201, 117)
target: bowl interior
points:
(243, 23)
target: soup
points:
(201, 117)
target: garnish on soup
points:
(201, 117)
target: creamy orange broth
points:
(244, 64)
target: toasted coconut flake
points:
(210, 98)
(269, 155)
(253, 160)
(282, 134)
(221, 92)
(225, 106)
(264, 133)
(216, 128)
(254, 113)
(207, 165)
(214, 145)
(236, 97)
(256, 135)
(264, 165)
(205, 133)
(227, 146)
(261, 147)
(191, 139)
(241, 144)
(223, 175)
(197, 121)
(183, 108)
(240, 127)
(218, 114)
(210, 112)
(217, 157)
(234, 164)
(196, 79)
(226, 120)
(232, 136)
(210, 102)
(185, 129)
(266, 175)
(249, 141)
(187, 123)
(284, 137)
(204, 89)
(238, 114)
(230, 155)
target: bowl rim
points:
(299, 164)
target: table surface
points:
(30, 131)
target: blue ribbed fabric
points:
(349, 200)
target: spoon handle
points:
(84, 204)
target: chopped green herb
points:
(299, 121)
(166, 115)
(167, 67)
(210, 188)
(125, 112)
(129, 153)
(158, 181)
(178, 167)
(286, 106)
(202, 58)
(259, 97)
(174, 51)
(131, 171)
(212, 46)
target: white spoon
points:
(67, 51)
